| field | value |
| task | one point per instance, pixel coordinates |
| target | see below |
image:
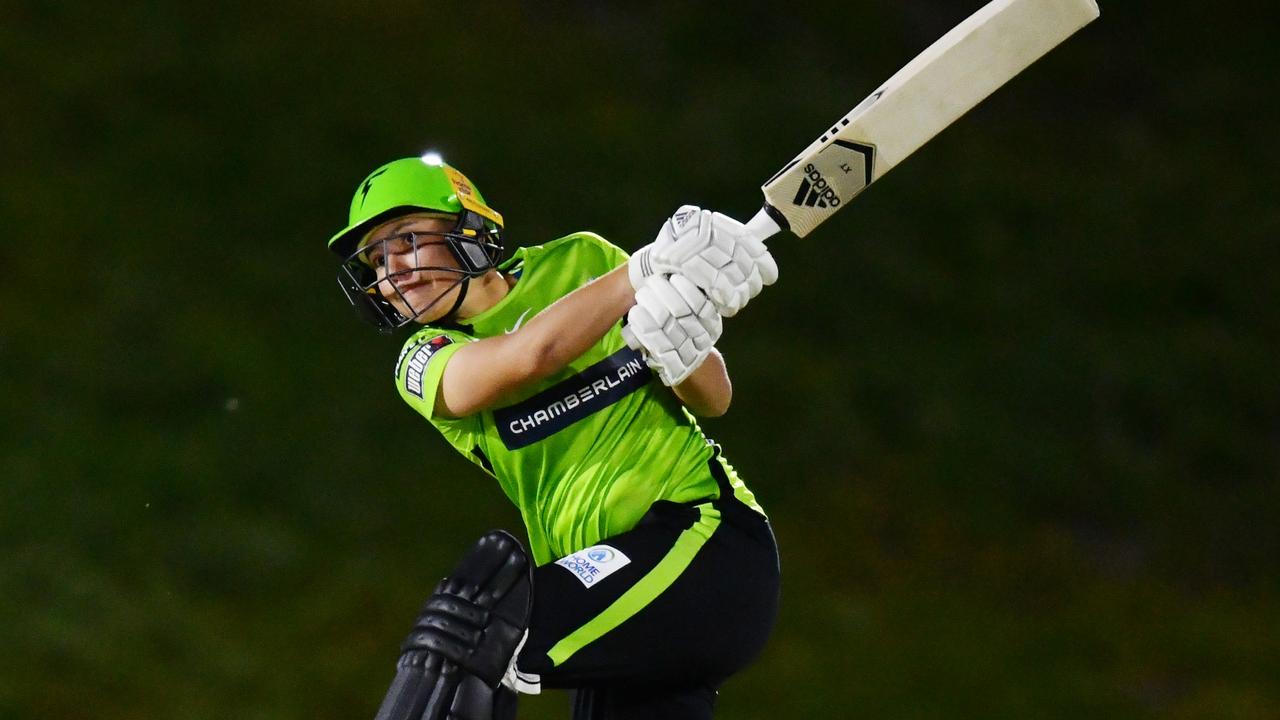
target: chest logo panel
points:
(573, 399)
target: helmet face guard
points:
(475, 247)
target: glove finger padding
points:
(748, 268)
(752, 247)
(689, 309)
(718, 254)
(751, 259)
(659, 352)
(658, 311)
(675, 326)
(648, 332)
(763, 259)
(700, 305)
(667, 296)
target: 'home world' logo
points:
(593, 564)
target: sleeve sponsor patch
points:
(418, 357)
(593, 564)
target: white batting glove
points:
(719, 254)
(674, 324)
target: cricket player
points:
(572, 374)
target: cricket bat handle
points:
(763, 226)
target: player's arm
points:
(707, 391)
(712, 257)
(481, 373)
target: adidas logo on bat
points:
(815, 191)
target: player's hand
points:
(674, 324)
(717, 253)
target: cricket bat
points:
(944, 82)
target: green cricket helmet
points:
(403, 187)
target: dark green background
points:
(1015, 412)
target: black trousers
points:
(653, 639)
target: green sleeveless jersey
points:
(584, 453)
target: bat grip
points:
(763, 225)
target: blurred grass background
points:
(1015, 413)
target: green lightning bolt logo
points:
(368, 185)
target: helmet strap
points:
(451, 316)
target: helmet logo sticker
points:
(466, 194)
(368, 185)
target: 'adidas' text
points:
(814, 190)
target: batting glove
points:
(717, 253)
(674, 324)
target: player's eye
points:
(403, 242)
(399, 244)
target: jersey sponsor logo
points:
(418, 358)
(571, 400)
(594, 564)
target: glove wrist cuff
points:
(639, 267)
(688, 370)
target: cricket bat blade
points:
(932, 91)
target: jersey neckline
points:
(517, 258)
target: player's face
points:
(416, 271)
